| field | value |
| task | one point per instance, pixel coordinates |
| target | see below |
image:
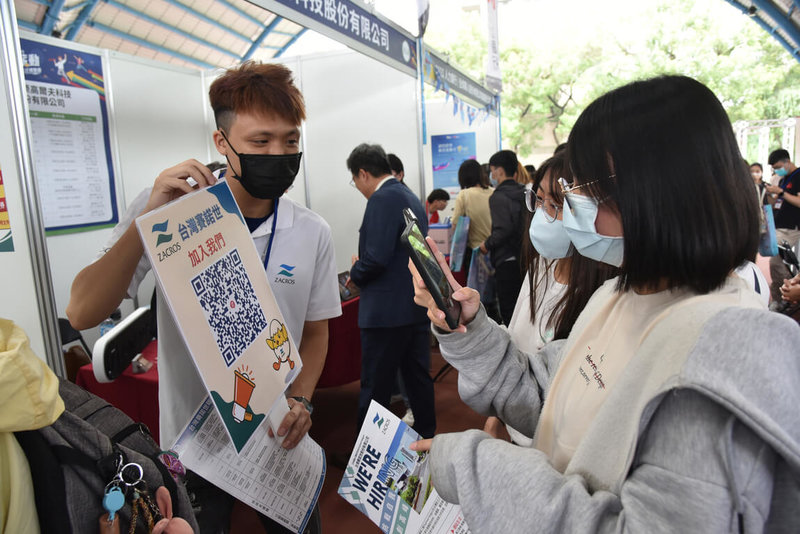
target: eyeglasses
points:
(567, 187)
(353, 182)
(534, 202)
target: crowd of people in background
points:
(624, 340)
(662, 398)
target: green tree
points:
(547, 82)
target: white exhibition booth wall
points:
(159, 117)
(18, 296)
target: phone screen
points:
(432, 273)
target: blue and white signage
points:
(350, 23)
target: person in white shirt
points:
(258, 112)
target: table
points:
(137, 395)
(343, 363)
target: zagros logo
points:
(285, 275)
(382, 424)
(164, 237)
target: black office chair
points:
(69, 335)
(74, 357)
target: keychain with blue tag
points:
(113, 501)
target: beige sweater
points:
(474, 203)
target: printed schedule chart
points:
(70, 157)
(282, 484)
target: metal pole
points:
(12, 72)
(499, 126)
(421, 133)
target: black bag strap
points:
(48, 482)
(131, 429)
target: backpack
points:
(73, 460)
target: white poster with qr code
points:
(211, 275)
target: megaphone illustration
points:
(242, 391)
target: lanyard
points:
(272, 235)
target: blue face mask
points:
(781, 172)
(492, 180)
(548, 238)
(583, 234)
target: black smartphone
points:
(430, 270)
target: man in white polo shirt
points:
(258, 111)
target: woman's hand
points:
(469, 299)
(423, 445)
(790, 290)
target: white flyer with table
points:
(391, 484)
(282, 484)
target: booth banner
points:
(211, 274)
(494, 78)
(391, 484)
(480, 271)
(70, 138)
(458, 246)
(438, 71)
(6, 241)
(448, 152)
(423, 10)
(350, 23)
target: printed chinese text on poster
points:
(70, 137)
(212, 277)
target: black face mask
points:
(266, 176)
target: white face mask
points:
(548, 238)
(580, 228)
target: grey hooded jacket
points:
(701, 434)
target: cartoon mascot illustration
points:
(279, 343)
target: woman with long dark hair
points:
(558, 283)
(672, 405)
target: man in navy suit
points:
(395, 332)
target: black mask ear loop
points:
(233, 173)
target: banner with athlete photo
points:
(70, 136)
(212, 277)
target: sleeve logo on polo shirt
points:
(285, 275)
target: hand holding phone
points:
(429, 269)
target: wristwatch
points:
(306, 403)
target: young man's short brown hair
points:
(252, 87)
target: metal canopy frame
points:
(203, 34)
(779, 18)
(251, 31)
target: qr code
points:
(230, 305)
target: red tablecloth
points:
(137, 395)
(343, 364)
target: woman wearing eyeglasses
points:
(672, 405)
(559, 282)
